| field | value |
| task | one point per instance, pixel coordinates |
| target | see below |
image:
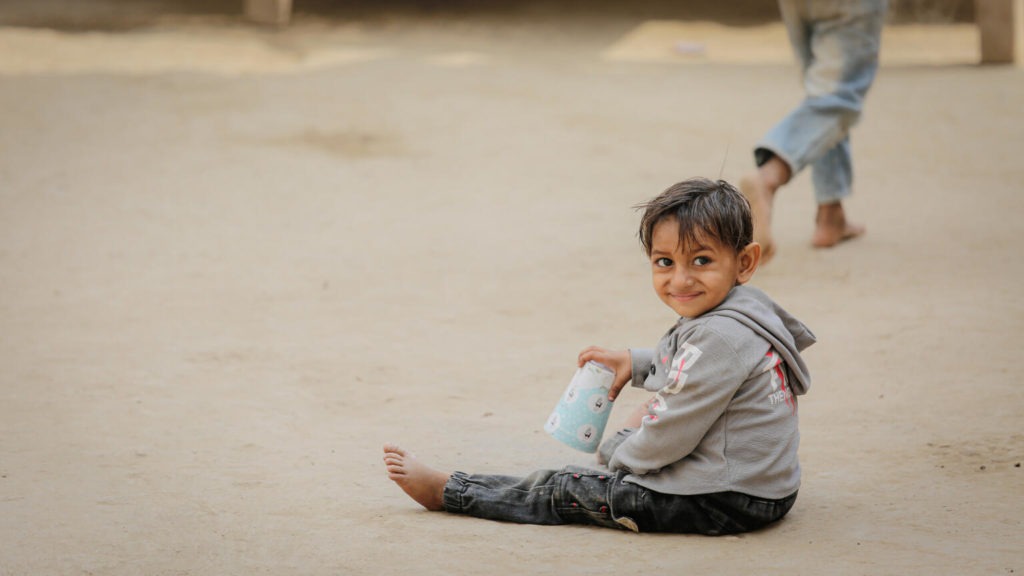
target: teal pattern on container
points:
(582, 412)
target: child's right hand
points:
(619, 361)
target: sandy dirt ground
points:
(235, 261)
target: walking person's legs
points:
(837, 45)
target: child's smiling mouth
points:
(685, 297)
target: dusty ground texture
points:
(234, 262)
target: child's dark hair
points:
(704, 209)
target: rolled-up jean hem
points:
(765, 152)
(453, 489)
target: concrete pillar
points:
(1001, 24)
(275, 12)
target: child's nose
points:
(682, 277)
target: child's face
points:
(695, 278)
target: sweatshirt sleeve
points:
(703, 378)
(641, 359)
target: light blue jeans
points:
(837, 44)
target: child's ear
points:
(748, 258)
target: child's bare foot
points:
(832, 227)
(421, 482)
(760, 195)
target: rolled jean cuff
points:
(453, 491)
(765, 152)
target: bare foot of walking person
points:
(760, 199)
(421, 482)
(760, 188)
(832, 227)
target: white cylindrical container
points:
(582, 412)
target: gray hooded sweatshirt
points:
(724, 417)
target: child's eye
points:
(663, 262)
(701, 261)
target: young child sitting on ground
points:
(715, 450)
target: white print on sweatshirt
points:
(687, 356)
(780, 392)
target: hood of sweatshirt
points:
(787, 335)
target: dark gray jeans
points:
(579, 496)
